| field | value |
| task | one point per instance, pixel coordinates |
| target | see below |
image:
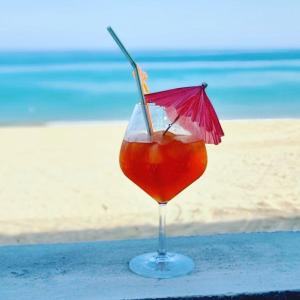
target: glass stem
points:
(162, 230)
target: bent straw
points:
(138, 80)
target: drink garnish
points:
(192, 109)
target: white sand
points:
(63, 183)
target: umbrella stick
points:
(145, 107)
(170, 125)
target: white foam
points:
(170, 65)
(90, 123)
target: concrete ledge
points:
(236, 266)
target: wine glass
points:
(162, 163)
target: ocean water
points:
(42, 87)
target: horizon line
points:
(115, 50)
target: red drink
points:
(164, 167)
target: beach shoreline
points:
(62, 183)
(121, 122)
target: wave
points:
(117, 66)
(235, 80)
(116, 87)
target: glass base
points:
(161, 266)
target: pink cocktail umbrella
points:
(192, 109)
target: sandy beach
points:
(63, 183)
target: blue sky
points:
(164, 24)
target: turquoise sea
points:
(41, 87)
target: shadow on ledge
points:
(147, 231)
(285, 295)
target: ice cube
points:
(155, 154)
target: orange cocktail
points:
(165, 166)
(163, 152)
